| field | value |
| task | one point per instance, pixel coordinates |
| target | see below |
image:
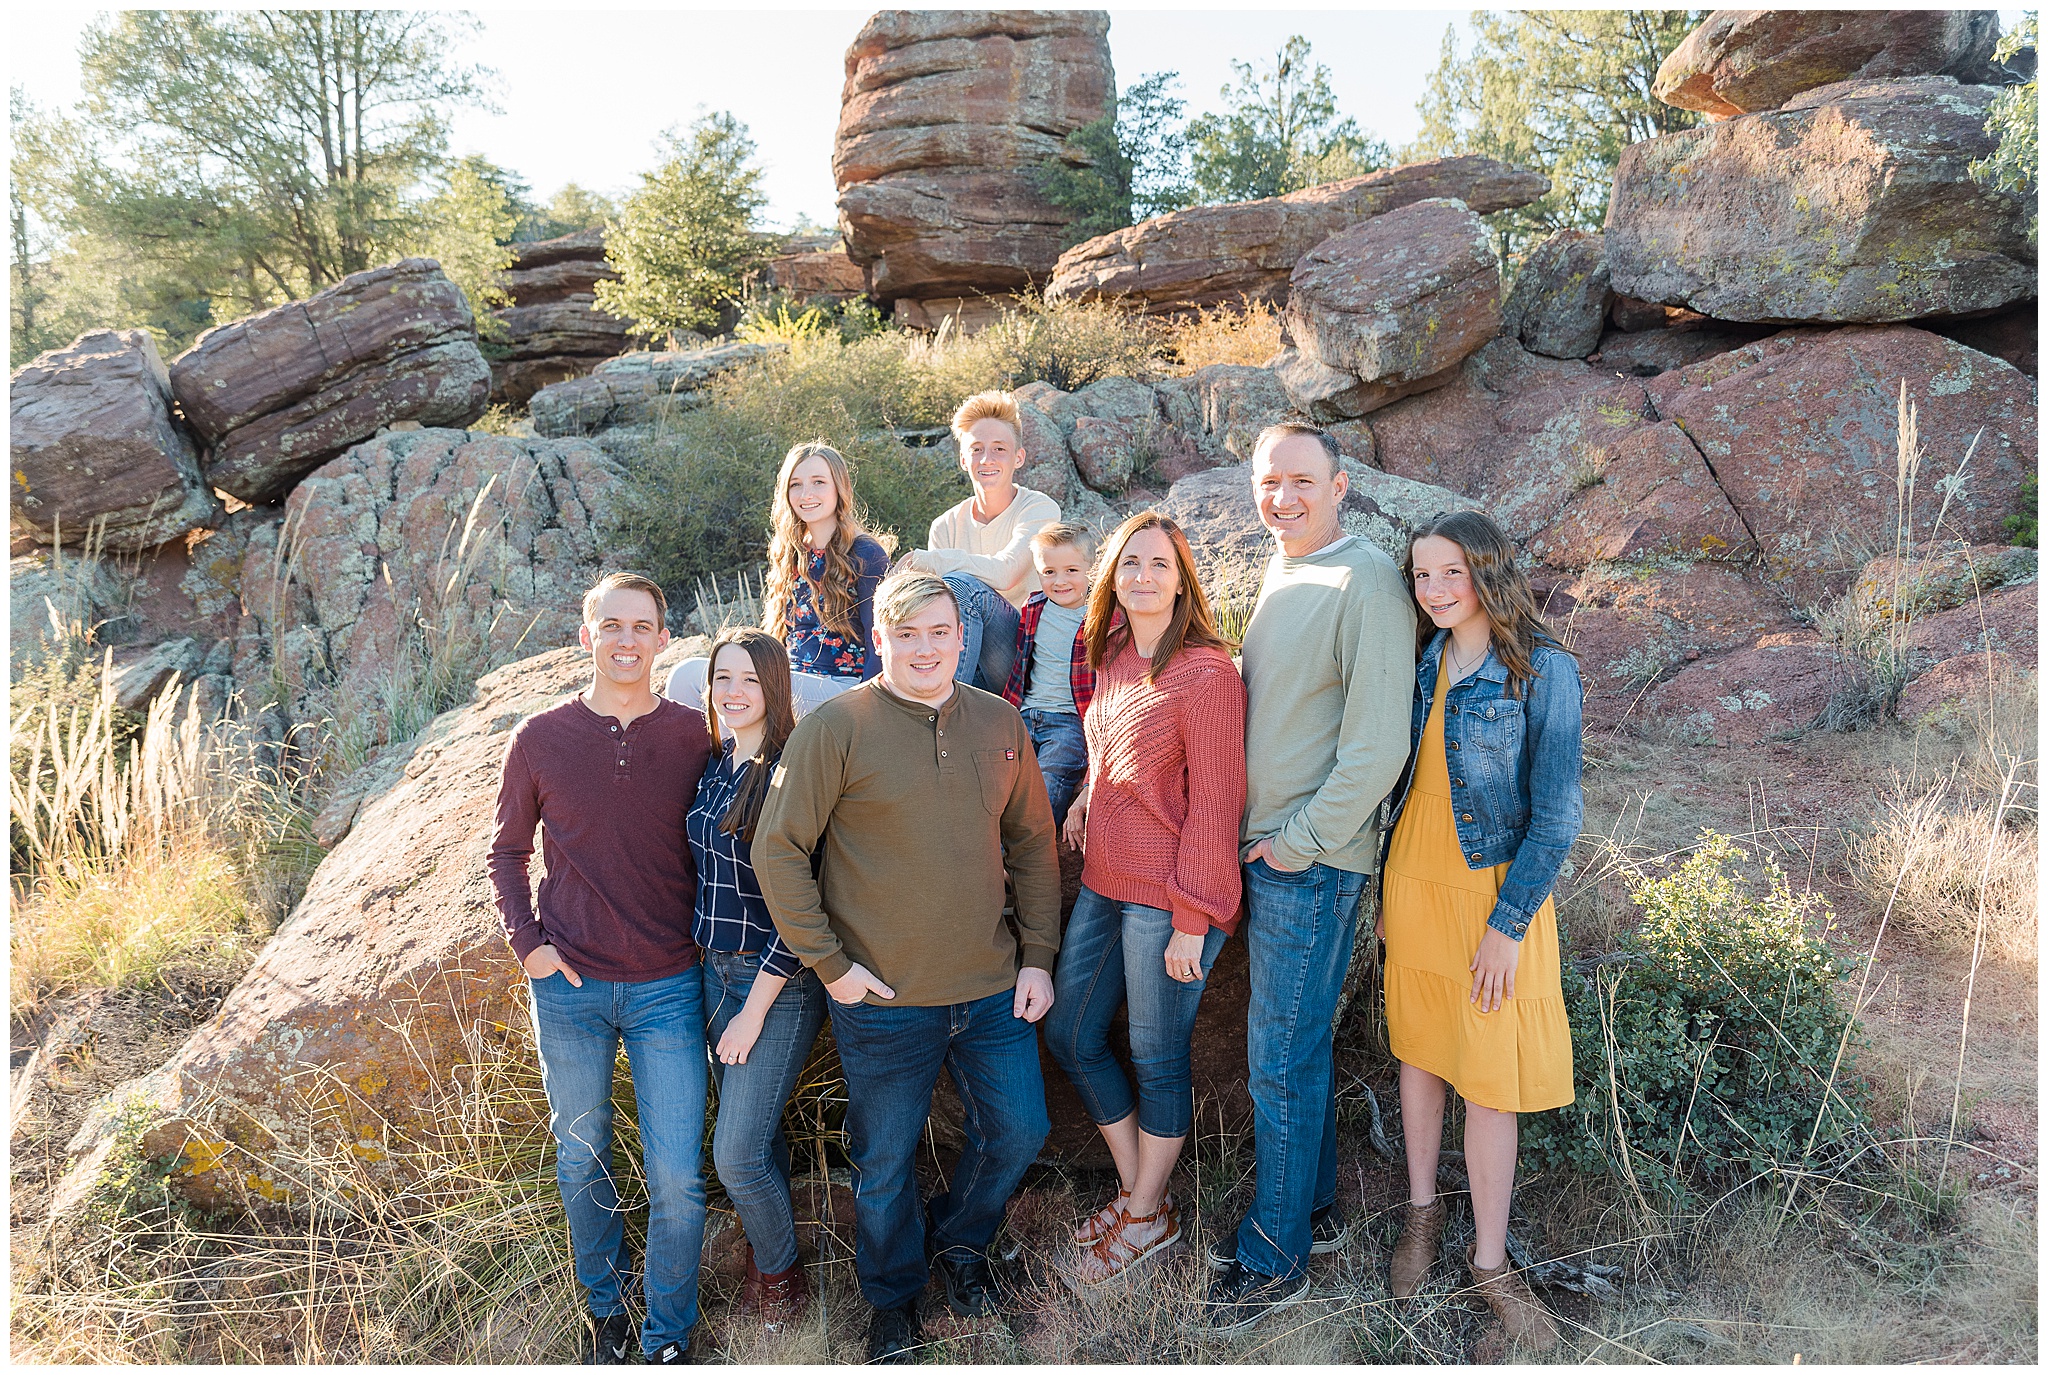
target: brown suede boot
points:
(1415, 1249)
(779, 1300)
(1527, 1321)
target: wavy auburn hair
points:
(1502, 588)
(771, 667)
(1194, 623)
(788, 555)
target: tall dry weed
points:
(1246, 335)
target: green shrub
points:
(1705, 1048)
(2023, 526)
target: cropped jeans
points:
(1114, 953)
(747, 1146)
(1298, 936)
(988, 633)
(578, 1032)
(892, 1057)
(1062, 749)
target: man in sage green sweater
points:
(917, 794)
(1329, 668)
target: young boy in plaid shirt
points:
(1051, 683)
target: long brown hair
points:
(771, 667)
(1503, 590)
(1193, 623)
(789, 557)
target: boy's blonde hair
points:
(987, 405)
(903, 595)
(1061, 532)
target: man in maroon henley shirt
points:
(610, 775)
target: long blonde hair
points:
(789, 557)
(1193, 623)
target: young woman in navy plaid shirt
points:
(762, 1007)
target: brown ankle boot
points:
(780, 1299)
(1527, 1321)
(1415, 1249)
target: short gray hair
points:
(1288, 429)
(903, 595)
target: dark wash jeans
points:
(891, 1057)
(1062, 749)
(1298, 935)
(747, 1146)
(578, 1032)
(1112, 954)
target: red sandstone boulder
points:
(1515, 431)
(420, 548)
(627, 390)
(279, 393)
(1661, 350)
(1222, 254)
(553, 330)
(1559, 302)
(1773, 688)
(2006, 620)
(815, 274)
(1739, 61)
(1633, 624)
(94, 444)
(1394, 304)
(1801, 430)
(942, 116)
(1853, 203)
(1222, 408)
(2013, 335)
(1970, 682)
(1655, 495)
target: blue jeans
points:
(891, 1057)
(1062, 749)
(578, 1032)
(1298, 935)
(747, 1146)
(988, 633)
(1115, 953)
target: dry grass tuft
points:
(1246, 334)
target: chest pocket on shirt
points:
(1495, 726)
(997, 770)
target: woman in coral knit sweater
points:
(1158, 820)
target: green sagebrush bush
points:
(1705, 1050)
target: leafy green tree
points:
(262, 154)
(570, 209)
(2014, 166)
(1125, 167)
(684, 243)
(1559, 91)
(470, 222)
(1278, 132)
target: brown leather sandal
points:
(1114, 1255)
(1527, 1321)
(1104, 1221)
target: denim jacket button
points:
(1475, 856)
(1454, 744)
(1464, 816)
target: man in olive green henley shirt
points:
(917, 794)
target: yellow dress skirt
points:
(1518, 1059)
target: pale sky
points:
(584, 94)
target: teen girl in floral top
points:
(822, 573)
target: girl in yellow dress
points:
(1483, 821)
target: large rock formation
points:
(421, 555)
(813, 275)
(1654, 495)
(95, 447)
(553, 329)
(943, 114)
(1801, 430)
(628, 389)
(1388, 307)
(1561, 294)
(1852, 203)
(1515, 431)
(387, 998)
(279, 393)
(1221, 254)
(1741, 61)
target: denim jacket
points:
(1514, 772)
